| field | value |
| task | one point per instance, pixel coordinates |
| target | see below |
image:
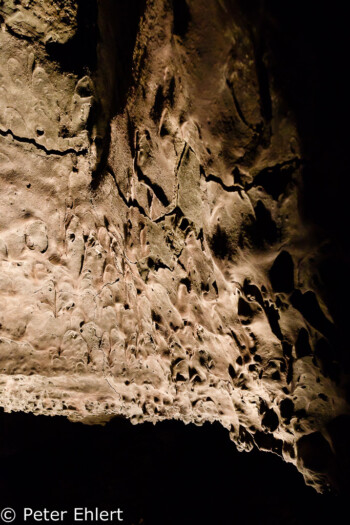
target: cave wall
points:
(156, 258)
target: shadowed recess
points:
(169, 473)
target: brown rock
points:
(154, 263)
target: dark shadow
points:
(79, 54)
(305, 45)
(164, 474)
(121, 18)
(182, 17)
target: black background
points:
(165, 474)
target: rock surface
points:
(154, 263)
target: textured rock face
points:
(154, 264)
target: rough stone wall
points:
(154, 264)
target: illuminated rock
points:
(154, 264)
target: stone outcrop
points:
(154, 263)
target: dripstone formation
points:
(154, 263)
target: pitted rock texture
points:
(154, 264)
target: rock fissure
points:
(41, 147)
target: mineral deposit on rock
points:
(154, 263)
